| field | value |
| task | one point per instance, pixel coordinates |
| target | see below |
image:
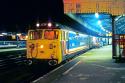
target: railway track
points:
(14, 70)
(9, 60)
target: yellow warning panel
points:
(114, 7)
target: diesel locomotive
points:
(55, 43)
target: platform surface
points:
(95, 66)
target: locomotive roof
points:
(54, 26)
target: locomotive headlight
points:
(49, 24)
(41, 46)
(37, 25)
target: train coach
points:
(54, 44)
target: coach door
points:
(64, 42)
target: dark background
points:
(17, 15)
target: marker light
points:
(41, 46)
(49, 24)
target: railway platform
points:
(94, 66)
(11, 49)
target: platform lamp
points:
(97, 15)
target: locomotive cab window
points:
(51, 34)
(34, 35)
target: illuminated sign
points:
(114, 7)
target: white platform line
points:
(112, 68)
(71, 68)
(47, 74)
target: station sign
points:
(114, 7)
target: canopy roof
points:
(120, 25)
(89, 23)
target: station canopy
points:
(120, 25)
(99, 24)
(93, 24)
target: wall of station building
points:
(114, 7)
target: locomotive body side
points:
(72, 42)
(77, 42)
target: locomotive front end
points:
(44, 45)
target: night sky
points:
(17, 15)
